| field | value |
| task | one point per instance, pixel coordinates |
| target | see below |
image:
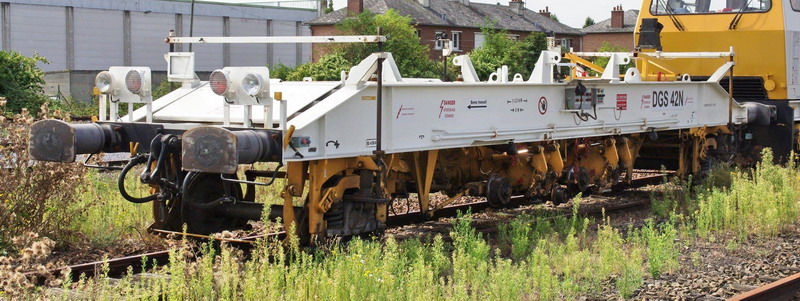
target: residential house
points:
(617, 31)
(460, 20)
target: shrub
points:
(499, 49)
(21, 81)
(329, 67)
(760, 202)
(411, 56)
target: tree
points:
(554, 17)
(329, 8)
(411, 56)
(328, 67)
(608, 47)
(589, 22)
(21, 81)
(498, 50)
(532, 47)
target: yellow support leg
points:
(424, 165)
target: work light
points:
(104, 81)
(253, 85)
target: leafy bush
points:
(499, 49)
(329, 67)
(409, 54)
(21, 81)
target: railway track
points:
(119, 266)
(784, 289)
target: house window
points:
(478, 39)
(513, 37)
(419, 33)
(456, 40)
(438, 37)
(566, 44)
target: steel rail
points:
(784, 289)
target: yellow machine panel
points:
(755, 29)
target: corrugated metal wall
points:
(42, 30)
(83, 37)
(98, 41)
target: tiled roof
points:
(605, 26)
(455, 14)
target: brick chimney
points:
(355, 6)
(517, 6)
(425, 3)
(545, 12)
(617, 17)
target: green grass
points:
(107, 217)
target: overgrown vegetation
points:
(499, 49)
(760, 202)
(563, 262)
(21, 82)
(65, 202)
(532, 257)
(413, 57)
(409, 54)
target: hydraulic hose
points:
(121, 182)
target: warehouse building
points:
(82, 37)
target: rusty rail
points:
(784, 289)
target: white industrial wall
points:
(207, 56)
(148, 32)
(98, 36)
(40, 29)
(98, 39)
(284, 53)
(249, 54)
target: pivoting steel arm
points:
(276, 40)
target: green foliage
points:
(631, 277)
(329, 8)
(659, 241)
(608, 47)
(21, 81)
(74, 107)
(498, 50)
(328, 67)
(675, 197)
(554, 17)
(760, 202)
(409, 54)
(280, 71)
(164, 88)
(589, 22)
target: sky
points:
(570, 12)
(565, 9)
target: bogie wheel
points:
(498, 191)
(199, 192)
